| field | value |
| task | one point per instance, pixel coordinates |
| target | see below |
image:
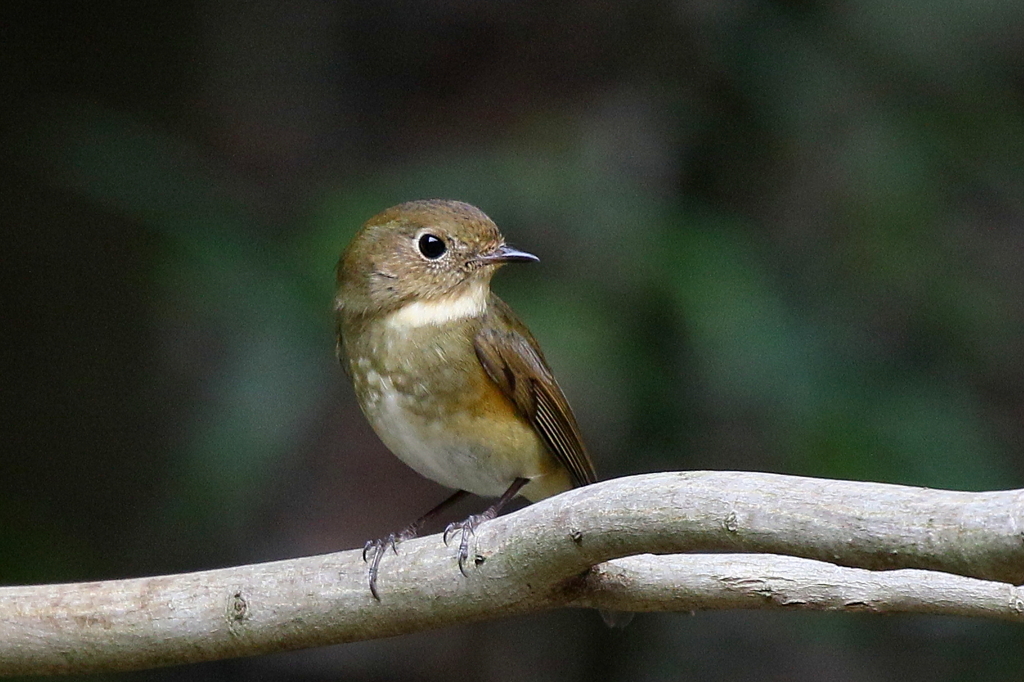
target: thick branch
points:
(538, 558)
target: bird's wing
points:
(512, 359)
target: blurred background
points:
(774, 236)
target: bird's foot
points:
(373, 550)
(467, 528)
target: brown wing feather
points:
(512, 359)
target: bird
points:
(448, 376)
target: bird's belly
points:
(467, 450)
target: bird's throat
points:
(468, 302)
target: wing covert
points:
(512, 360)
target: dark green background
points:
(778, 236)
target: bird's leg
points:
(468, 526)
(373, 550)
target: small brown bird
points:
(451, 380)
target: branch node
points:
(731, 522)
(238, 609)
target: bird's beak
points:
(506, 254)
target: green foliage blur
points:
(774, 236)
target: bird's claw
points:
(373, 550)
(467, 528)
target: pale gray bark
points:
(540, 558)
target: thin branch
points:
(691, 582)
(540, 558)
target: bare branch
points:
(691, 582)
(540, 558)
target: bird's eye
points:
(432, 246)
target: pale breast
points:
(462, 449)
(449, 423)
(424, 392)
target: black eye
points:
(432, 246)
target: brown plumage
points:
(513, 360)
(450, 379)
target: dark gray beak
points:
(506, 254)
